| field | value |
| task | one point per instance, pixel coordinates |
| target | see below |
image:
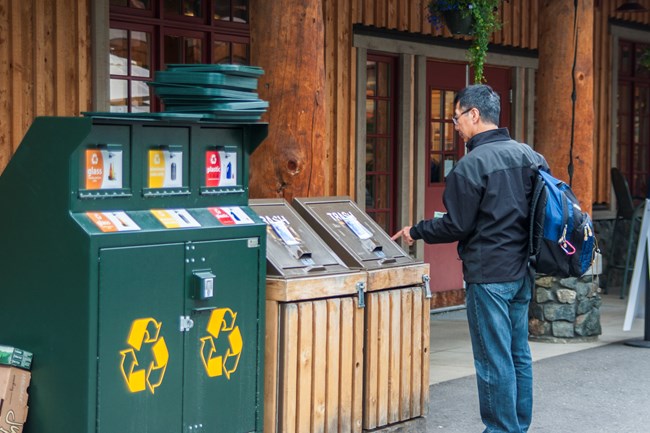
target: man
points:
(487, 197)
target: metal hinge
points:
(361, 286)
(427, 287)
(511, 93)
(186, 323)
(253, 242)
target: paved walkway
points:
(602, 386)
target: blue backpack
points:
(562, 241)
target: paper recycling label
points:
(175, 218)
(103, 169)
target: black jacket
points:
(487, 196)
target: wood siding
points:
(44, 65)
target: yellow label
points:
(166, 218)
(156, 169)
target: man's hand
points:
(405, 234)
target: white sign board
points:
(641, 274)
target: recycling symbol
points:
(144, 335)
(221, 325)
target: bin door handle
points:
(361, 287)
(427, 287)
(186, 323)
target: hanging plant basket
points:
(458, 23)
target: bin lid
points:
(293, 247)
(355, 237)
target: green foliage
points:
(485, 22)
(644, 60)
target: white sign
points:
(641, 274)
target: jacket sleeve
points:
(462, 199)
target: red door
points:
(445, 148)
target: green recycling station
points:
(134, 270)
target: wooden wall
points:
(44, 65)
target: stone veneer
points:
(565, 310)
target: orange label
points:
(94, 169)
(103, 223)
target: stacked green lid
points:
(213, 92)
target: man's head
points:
(476, 109)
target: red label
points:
(222, 216)
(212, 168)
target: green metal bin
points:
(135, 272)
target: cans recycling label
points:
(221, 326)
(144, 335)
(165, 169)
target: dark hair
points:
(483, 98)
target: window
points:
(146, 35)
(443, 150)
(633, 127)
(380, 140)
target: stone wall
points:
(565, 309)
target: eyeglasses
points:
(455, 118)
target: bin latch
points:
(361, 286)
(186, 323)
(427, 287)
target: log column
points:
(557, 46)
(288, 41)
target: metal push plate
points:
(357, 239)
(293, 247)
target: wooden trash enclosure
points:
(396, 361)
(397, 327)
(314, 330)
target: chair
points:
(625, 211)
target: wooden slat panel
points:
(357, 393)
(343, 97)
(286, 290)
(6, 138)
(407, 354)
(84, 67)
(289, 371)
(271, 366)
(402, 15)
(516, 24)
(369, 12)
(419, 305)
(534, 25)
(18, 64)
(383, 362)
(426, 327)
(380, 13)
(394, 355)
(321, 377)
(371, 362)
(305, 356)
(402, 276)
(331, 47)
(333, 367)
(347, 365)
(391, 14)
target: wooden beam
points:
(555, 81)
(291, 161)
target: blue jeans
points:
(497, 314)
